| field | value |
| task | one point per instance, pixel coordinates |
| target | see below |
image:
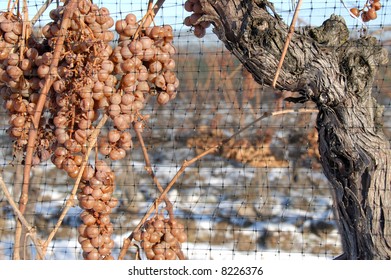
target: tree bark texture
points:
(325, 66)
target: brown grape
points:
(158, 241)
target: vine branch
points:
(41, 11)
(33, 133)
(288, 40)
(31, 230)
(148, 168)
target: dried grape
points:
(160, 238)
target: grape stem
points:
(65, 24)
(149, 16)
(9, 8)
(25, 30)
(353, 15)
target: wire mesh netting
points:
(260, 195)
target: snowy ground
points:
(227, 213)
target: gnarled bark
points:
(337, 73)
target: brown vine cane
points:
(22, 102)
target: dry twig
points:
(149, 16)
(148, 168)
(40, 12)
(288, 40)
(31, 230)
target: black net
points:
(260, 195)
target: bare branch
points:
(288, 40)
(40, 11)
(148, 168)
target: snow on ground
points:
(219, 218)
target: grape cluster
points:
(145, 62)
(11, 31)
(194, 7)
(88, 18)
(161, 238)
(85, 81)
(367, 13)
(83, 89)
(91, 78)
(19, 82)
(96, 199)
